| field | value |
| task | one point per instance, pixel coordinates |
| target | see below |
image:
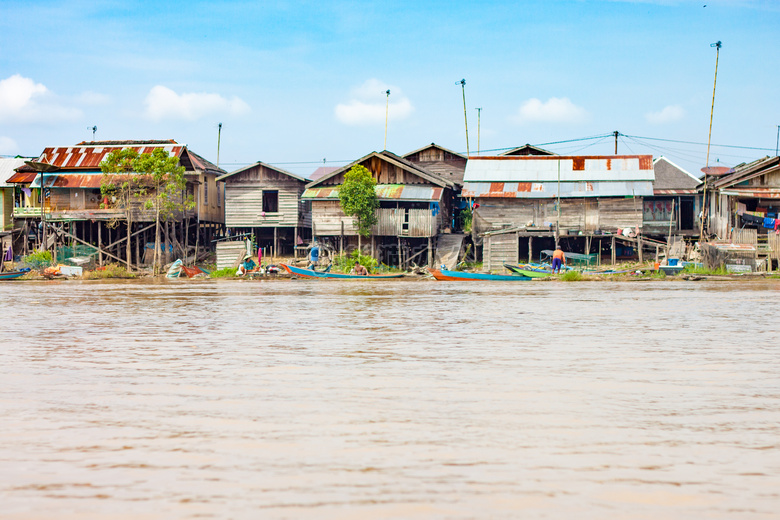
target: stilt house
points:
(7, 170)
(675, 203)
(264, 200)
(415, 206)
(75, 212)
(542, 198)
(441, 161)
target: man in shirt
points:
(559, 260)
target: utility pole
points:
(479, 118)
(616, 134)
(219, 139)
(777, 145)
(387, 111)
(465, 117)
(717, 46)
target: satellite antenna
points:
(462, 84)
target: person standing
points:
(559, 260)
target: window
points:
(271, 201)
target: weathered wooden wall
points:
(228, 252)
(327, 217)
(245, 207)
(586, 215)
(384, 173)
(499, 249)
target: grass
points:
(572, 276)
(109, 271)
(691, 269)
(227, 272)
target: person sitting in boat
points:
(359, 269)
(247, 266)
(558, 260)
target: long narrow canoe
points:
(308, 273)
(10, 275)
(528, 271)
(444, 275)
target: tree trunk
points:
(156, 239)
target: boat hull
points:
(453, 276)
(10, 275)
(529, 272)
(308, 273)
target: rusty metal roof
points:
(22, 177)
(89, 157)
(68, 180)
(383, 191)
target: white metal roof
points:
(7, 166)
(532, 168)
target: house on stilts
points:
(415, 207)
(524, 204)
(62, 188)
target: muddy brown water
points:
(324, 399)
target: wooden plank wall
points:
(500, 249)
(245, 208)
(327, 218)
(227, 253)
(390, 221)
(384, 173)
(745, 236)
(422, 223)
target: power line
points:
(699, 144)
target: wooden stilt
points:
(530, 249)
(100, 245)
(639, 248)
(613, 251)
(430, 252)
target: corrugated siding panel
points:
(534, 168)
(620, 213)
(390, 221)
(244, 208)
(501, 249)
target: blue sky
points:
(297, 82)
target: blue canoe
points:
(453, 276)
(308, 273)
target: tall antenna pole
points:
(219, 140)
(479, 117)
(777, 145)
(616, 133)
(387, 111)
(717, 46)
(94, 131)
(465, 116)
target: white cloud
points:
(24, 101)
(93, 98)
(669, 114)
(554, 110)
(164, 103)
(8, 146)
(369, 102)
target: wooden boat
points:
(308, 273)
(527, 270)
(10, 275)
(444, 275)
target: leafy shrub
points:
(571, 276)
(109, 271)
(227, 272)
(344, 263)
(38, 260)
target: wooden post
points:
(276, 244)
(613, 251)
(639, 248)
(530, 249)
(400, 258)
(138, 260)
(295, 242)
(100, 245)
(430, 252)
(656, 253)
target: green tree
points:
(121, 184)
(167, 190)
(357, 196)
(156, 178)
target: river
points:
(321, 399)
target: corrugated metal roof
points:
(7, 167)
(383, 191)
(68, 180)
(539, 168)
(22, 177)
(546, 190)
(90, 156)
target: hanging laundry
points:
(769, 223)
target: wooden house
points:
(528, 149)
(546, 197)
(75, 210)
(441, 161)
(675, 204)
(7, 170)
(265, 201)
(415, 206)
(746, 198)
